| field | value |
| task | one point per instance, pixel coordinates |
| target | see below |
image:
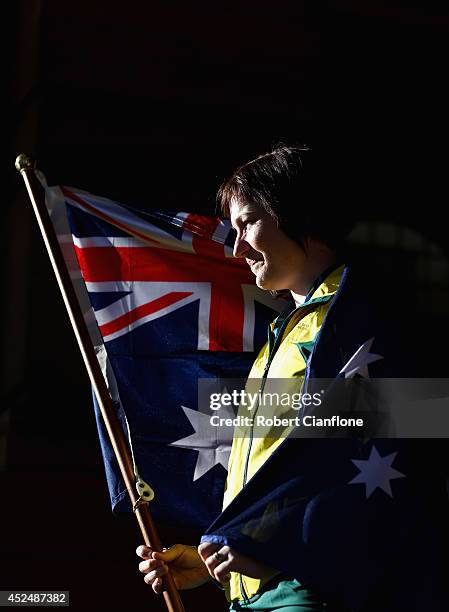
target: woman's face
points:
(273, 257)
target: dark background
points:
(155, 104)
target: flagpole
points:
(26, 167)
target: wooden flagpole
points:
(26, 167)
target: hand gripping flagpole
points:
(26, 167)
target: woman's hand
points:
(184, 562)
(220, 560)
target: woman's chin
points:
(260, 282)
(264, 283)
(268, 284)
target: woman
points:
(358, 542)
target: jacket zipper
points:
(271, 353)
(272, 348)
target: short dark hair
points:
(291, 183)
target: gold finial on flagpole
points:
(24, 162)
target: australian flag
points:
(166, 304)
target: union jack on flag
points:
(166, 304)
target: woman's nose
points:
(240, 247)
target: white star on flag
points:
(376, 472)
(358, 364)
(213, 443)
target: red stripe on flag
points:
(159, 265)
(143, 311)
(227, 313)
